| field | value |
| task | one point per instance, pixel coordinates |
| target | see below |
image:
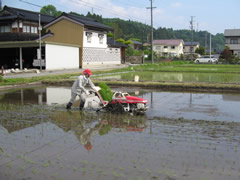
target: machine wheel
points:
(115, 108)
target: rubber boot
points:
(69, 105)
(81, 105)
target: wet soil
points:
(42, 140)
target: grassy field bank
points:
(200, 76)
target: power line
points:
(87, 4)
(81, 2)
(30, 3)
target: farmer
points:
(84, 134)
(78, 88)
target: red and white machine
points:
(123, 102)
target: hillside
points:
(132, 29)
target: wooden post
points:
(2, 71)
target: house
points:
(18, 36)
(96, 50)
(168, 47)
(69, 41)
(136, 45)
(88, 37)
(232, 37)
(190, 47)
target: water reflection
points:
(39, 95)
(207, 106)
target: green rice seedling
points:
(23, 168)
(45, 165)
(85, 162)
(54, 175)
(166, 172)
(115, 174)
(34, 171)
(149, 171)
(83, 170)
(9, 165)
(74, 169)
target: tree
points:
(226, 54)
(200, 50)
(110, 35)
(50, 10)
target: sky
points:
(213, 16)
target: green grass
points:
(223, 73)
(188, 67)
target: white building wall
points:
(97, 56)
(61, 57)
(95, 53)
(94, 40)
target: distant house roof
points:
(136, 42)
(111, 42)
(232, 32)
(169, 42)
(191, 43)
(10, 13)
(88, 23)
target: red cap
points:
(88, 146)
(87, 71)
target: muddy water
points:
(41, 140)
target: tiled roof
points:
(25, 15)
(191, 43)
(91, 23)
(232, 32)
(114, 43)
(169, 42)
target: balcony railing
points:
(17, 36)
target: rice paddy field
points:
(182, 136)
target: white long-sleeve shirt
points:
(79, 84)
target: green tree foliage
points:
(50, 10)
(105, 91)
(110, 35)
(200, 50)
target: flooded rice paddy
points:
(176, 77)
(182, 136)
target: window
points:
(34, 30)
(26, 28)
(233, 41)
(172, 47)
(165, 47)
(5, 29)
(100, 36)
(89, 37)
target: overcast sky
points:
(212, 15)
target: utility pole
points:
(210, 46)
(151, 29)
(191, 26)
(40, 46)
